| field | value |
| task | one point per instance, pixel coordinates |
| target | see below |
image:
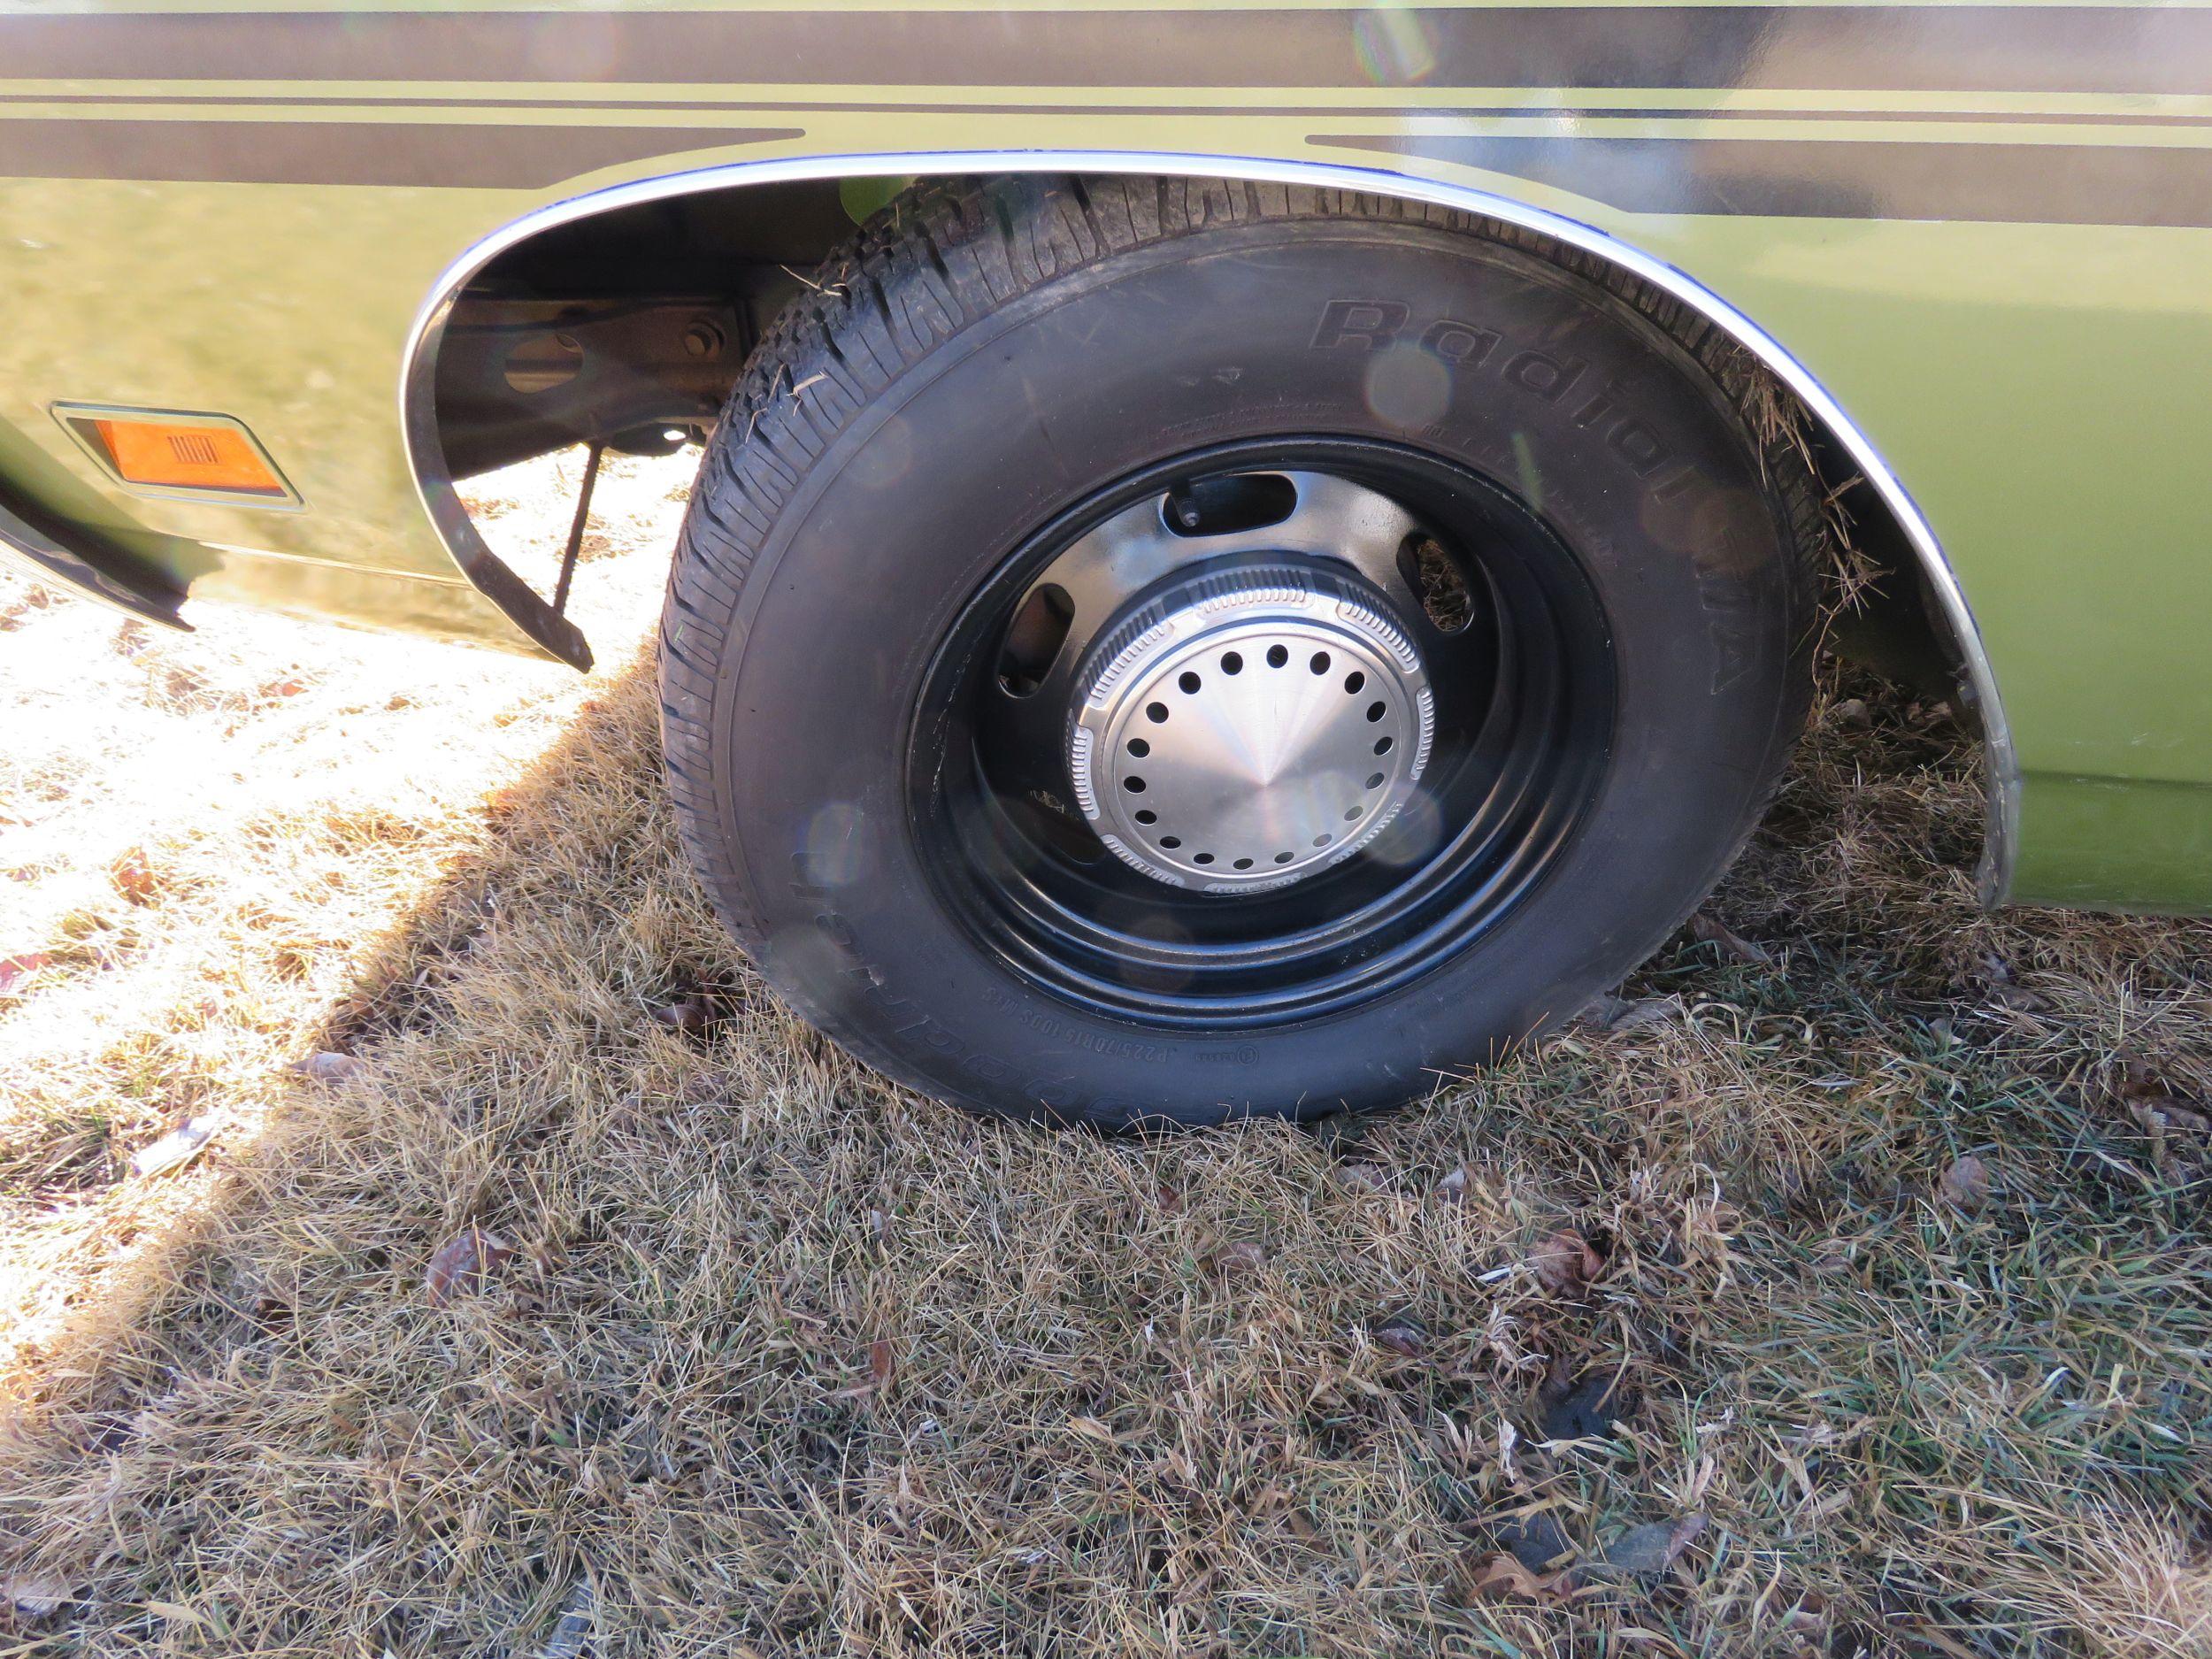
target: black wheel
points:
(1160, 650)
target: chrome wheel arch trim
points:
(434, 484)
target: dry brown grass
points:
(1905, 1277)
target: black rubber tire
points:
(988, 350)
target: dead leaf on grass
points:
(1363, 1176)
(133, 877)
(2156, 1106)
(20, 966)
(1964, 1186)
(1583, 1405)
(465, 1262)
(1646, 1551)
(178, 1147)
(1243, 1256)
(2019, 999)
(2180, 1136)
(688, 1015)
(1566, 1264)
(327, 1067)
(571, 1636)
(1536, 1540)
(1711, 931)
(2178, 1158)
(34, 1595)
(2139, 1078)
(1614, 1015)
(1402, 1335)
(882, 1362)
(1501, 1578)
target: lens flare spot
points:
(1408, 387)
(1393, 45)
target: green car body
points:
(1976, 239)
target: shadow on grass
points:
(757, 1353)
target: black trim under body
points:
(83, 566)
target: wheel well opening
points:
(627, 327)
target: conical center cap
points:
(1251, 730)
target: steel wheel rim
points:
(1511, 752)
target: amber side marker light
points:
(188, 456)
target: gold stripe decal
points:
(451, 154)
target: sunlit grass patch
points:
(206, 840)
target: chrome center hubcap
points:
(1249, 730)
